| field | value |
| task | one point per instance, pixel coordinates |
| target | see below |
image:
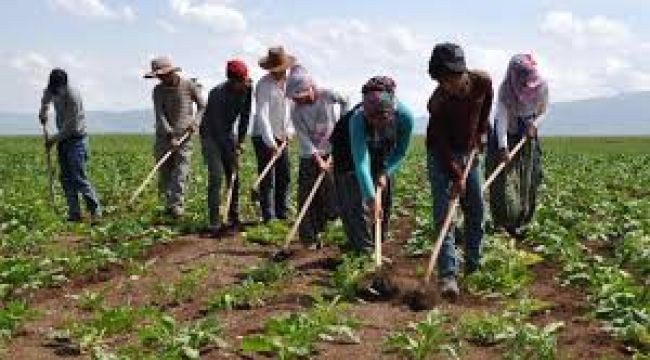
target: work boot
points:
(449, 288)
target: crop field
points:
(141, 286)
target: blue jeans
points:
(73, 154)
(471, 204)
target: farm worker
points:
(173, 100)
(369, 143)
(72, 143)
(271, 129)
(522, 100)
(314, 116)
(459, 111)
(228, 103)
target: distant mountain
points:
(625, 114)
(98, 122)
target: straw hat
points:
(277, 60)
(160, 66)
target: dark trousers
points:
(323, 205)
(357, 223)
(274, 188)
(220, 157)
(73, 155)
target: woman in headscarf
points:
(522, 102)
(369, 144)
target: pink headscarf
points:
(522, 83)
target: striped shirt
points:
(173, 107)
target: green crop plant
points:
(426, 339)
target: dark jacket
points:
(224, 108)
(456, 124)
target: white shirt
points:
(505, 120)
(272, 111)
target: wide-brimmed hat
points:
(160, 66)
(446, 58)
(277, 60)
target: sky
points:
(585, 48)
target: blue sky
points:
(585, 48)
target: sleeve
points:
(199, 100)
(208, 114)
(360, 156)
(404, 132)
(70, 126)
(543, 107)
(46, 100)
(244, 117)
(439, 136)
(302, 131)
(342, 100)
(262, 109)
(161, 119)
(484, 117)
(501, 125)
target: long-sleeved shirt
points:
(315, 122)
(70, 116)
(359, 134)
(271, 120)
(225, 107)
(456, 124)
(174, 107)
(506, 120)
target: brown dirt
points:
(226, 259)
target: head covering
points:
(236, 70)
(58, 78)
(160, 66)
(446, 58)
(277, 60)
(379, 97)
(298, 82)
(522, 83)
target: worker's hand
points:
(176, 143)
(382, 182)
(531, 131)
(458, 188)
(374, 210)
(481, 143)
(324, 165)
(503, 155)
(49, 142)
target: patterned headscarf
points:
(298, 81)
(379, 98)
(522, 83)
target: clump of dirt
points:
(387, 284)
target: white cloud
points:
(166, 26)
(602, 56)
(217, 15)
(95, 9)
(581, 32)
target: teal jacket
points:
(358, 138)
